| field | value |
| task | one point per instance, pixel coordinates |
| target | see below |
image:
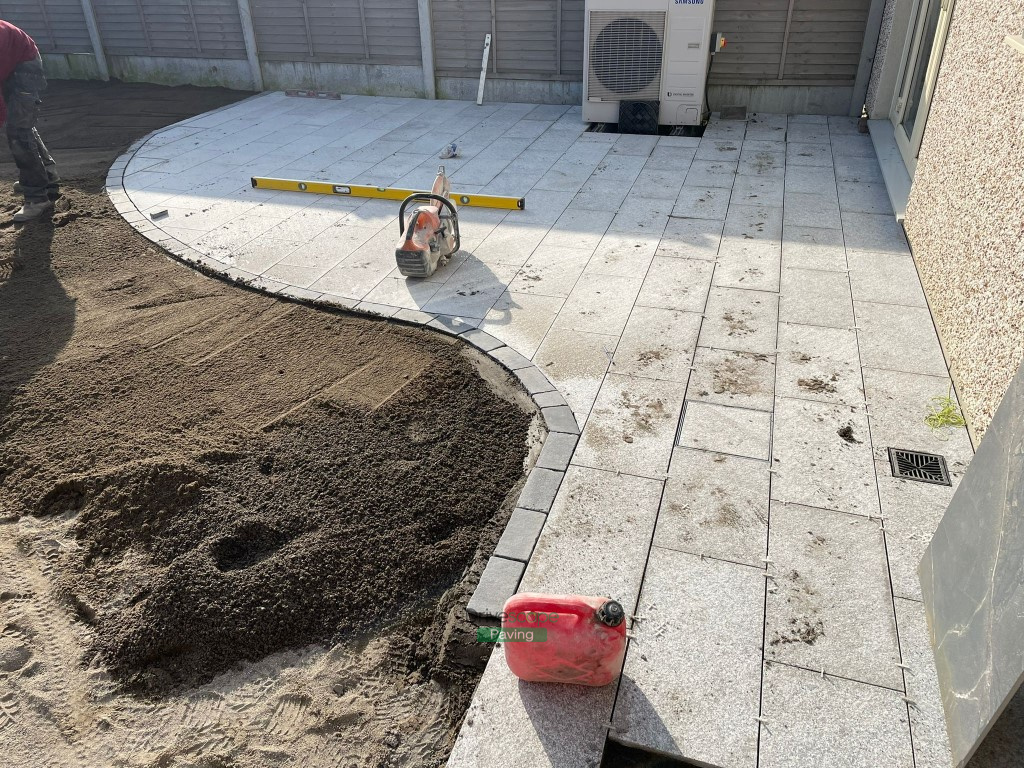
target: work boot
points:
(31, 211)
(52, 189)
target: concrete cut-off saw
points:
(431, 234)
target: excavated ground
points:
(231, 527)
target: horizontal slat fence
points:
(769, 41)
(57, 26)
(789, 40)
(539, 39)
(353, 31)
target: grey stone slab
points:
(898, 403)
(599, 304)
(540, 489)
(702, 202)
(853, 145)
(749, 263)
(911, 511)
(550, 399)
(596, 537)
(482, 340)
(691, 239)
(815, 297)
(874, 232)
(673, 283)
(523, 725)
(813, 248)
(632, 426)
(753, 222)
(510, 358)
(757, 190)
(534, 381)
(497, 584)
(807, 133)
(809, 210)
(560, 419)
(623, 254)
(715, 505)
(972, 586)
(864, 198)
(865, 170)
(760, 163)
(576, 363)
(821, 455)
(453, 325)
(726, 429)
(718, 149)
(658, 344)
(842, 125)
(711, 173)
(807, 153)
(927, 722)
(743, 321)
(764, 145)
(899, 338)
(520, 536)
(724, 130)
(818, 363)
(557, 451)
(702, 620)
(829, 605)
(812, 180)
(811, 721)
(725, 377)
(885, 278)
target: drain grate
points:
(915, 465)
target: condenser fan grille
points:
(625, 55)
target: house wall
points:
(782, 56)
(965, 216)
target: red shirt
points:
(15, 47)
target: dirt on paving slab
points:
(233, 531)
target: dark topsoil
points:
(241, 475)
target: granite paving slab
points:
(700, 618)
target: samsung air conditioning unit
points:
(647, 50)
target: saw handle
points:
(437, 198)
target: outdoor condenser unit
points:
(647, 50)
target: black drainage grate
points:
(915, 465)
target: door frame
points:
(910, 146)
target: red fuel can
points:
(564, 638)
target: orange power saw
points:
(431, 235)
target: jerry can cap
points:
(611, 613)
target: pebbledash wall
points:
(965, 214)
(782, 56)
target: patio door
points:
(918, 76)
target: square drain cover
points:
(915, 465)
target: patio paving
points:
(737, 325)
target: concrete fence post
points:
(427, 49)
(97, 41)
(251, 51)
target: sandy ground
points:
(233, 531)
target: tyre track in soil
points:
(232, 531)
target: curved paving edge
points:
(500, 578)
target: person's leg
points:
(52, 176)
(22, 112)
